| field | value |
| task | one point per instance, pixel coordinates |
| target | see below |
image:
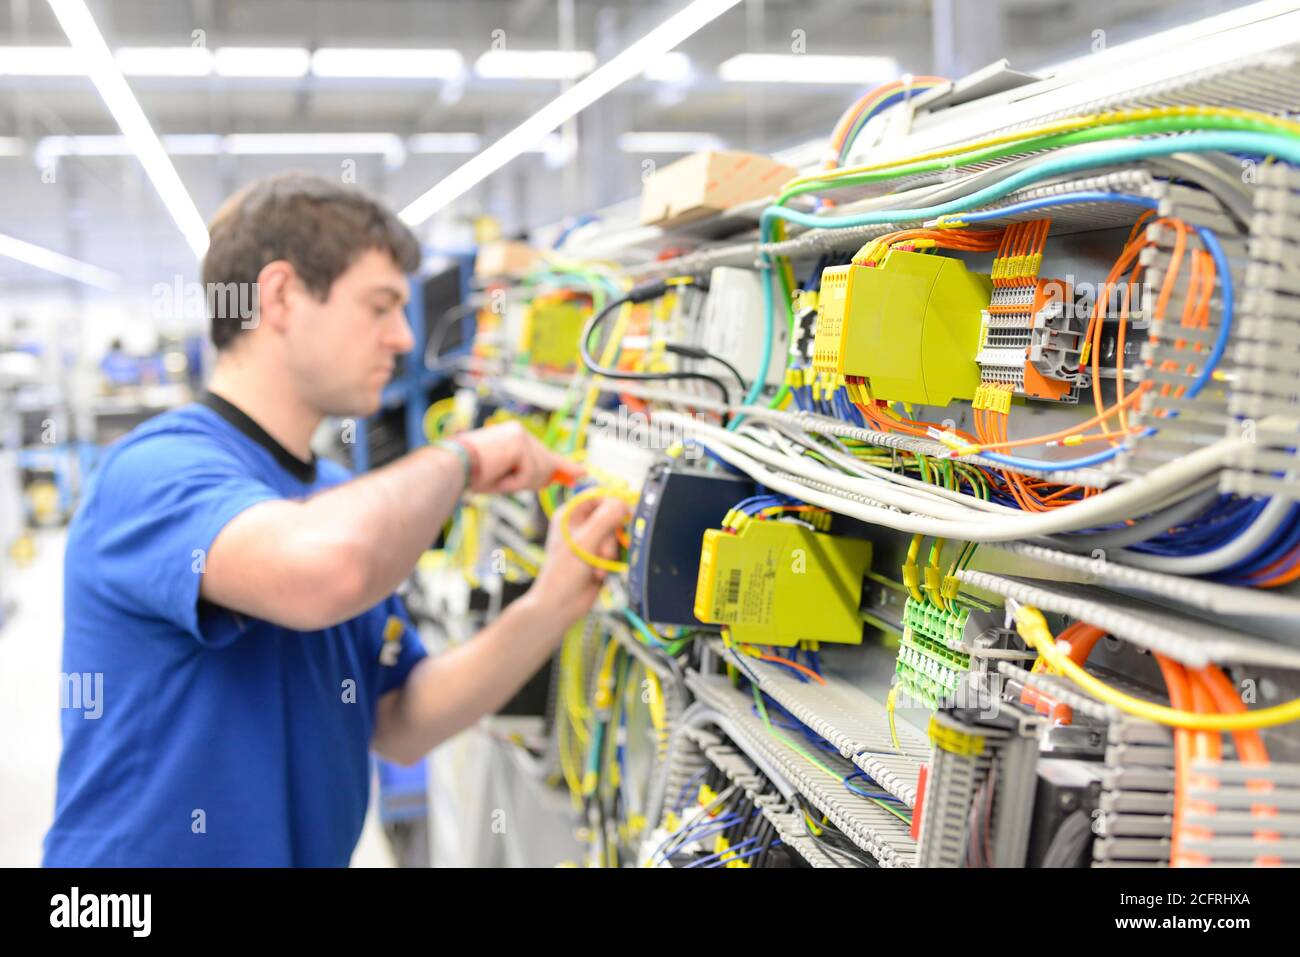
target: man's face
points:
(341, 352)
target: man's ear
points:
(276, 284)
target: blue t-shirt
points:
(219, 739)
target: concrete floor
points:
(30, 642)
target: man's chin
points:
(358, 407)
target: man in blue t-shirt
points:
(228, 598)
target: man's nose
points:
(400, 338)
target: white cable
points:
(881, 492)
(854, 466)
(936, 491)
(1109, 506)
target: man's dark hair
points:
(318, 227)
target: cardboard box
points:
(707, 183)
(504, 259)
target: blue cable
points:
(1207, 370)
(877, 795)
(740, 857)
(777, 660)
(720, 854)
(731, 819)
(575, 225)
(681, 795)
(1270, 551)
(1259, 144)
(635, 621)
(1082, 196)
(891, 100)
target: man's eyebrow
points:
(395, 292)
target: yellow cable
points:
(596, 561)
(890, 704)
(1060, 126)
(658, 709)
(435, 417)
(606, 359)
(1033, 628)
(911, 574)
(528, 565)
(933, 582)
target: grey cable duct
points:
(700, 714)
(1146, 527)
(1207, 596)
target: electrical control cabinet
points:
(996, 562)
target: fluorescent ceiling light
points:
(535, 64)
(672, 67)
(62, 265)
(623, 67)
(807, 68)
(388, 145)
(84, 35)
(385, 64)
(669, 142)
(444, 143)
(53, 148)
(262, 61)
(41, 61)
(550, 143)
(164, 61)
(11, 146)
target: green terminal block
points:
(779, 583)
(910, 326)
(928, 669)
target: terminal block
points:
(975, 810)
(1030, 339)
(778, 583)
(910, 326)
(928, 668)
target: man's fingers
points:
(603, 522)
(516, 480)
(608, 548)
(579, 513)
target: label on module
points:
(745, 594)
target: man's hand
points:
(567, 585)
(448, 692)
(508, 459)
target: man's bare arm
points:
(448, 693)
(314, 563)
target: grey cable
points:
(1226, 187)
(1069, 845)
(1144, 528)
